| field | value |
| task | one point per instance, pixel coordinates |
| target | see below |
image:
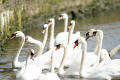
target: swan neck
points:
(15, 60)
(40, 49)
(45, 38)
(70, 33)
(82, 64)
(52, 61)
(100, 34)
(66, 24)
(52, 36)
(97, 44)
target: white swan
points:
(99, 35)
(32, 72)
(73, 69)
(15, 62)
(63, 36)
(46, 57)
(68, 49)
(104, 70)
(92, 60)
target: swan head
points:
(17, 34)
(51, 21)
(45, 27)
(79, 40)
(59, 45)
(72, 23)
(62, 16)
(91, 33)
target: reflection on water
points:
(109, 22)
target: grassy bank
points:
(24, 12)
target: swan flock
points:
(67, 54)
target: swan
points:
(92, 60)
(68, 48)
(104, 70)
(73, 70)
(62, 36)
(31, 71)
(15, 62)
(46, 57)
(99, 35)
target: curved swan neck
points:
(84, 49)
(52, 35)
(100, 34)
(97, 44)
(45, 38)
(15, 60)
(40, 50)
(66, 24)
(70, 33)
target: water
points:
(109, 22)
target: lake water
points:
(109, 22)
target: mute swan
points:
(68, 49)
(104, 70)
(62, 36)
(104, 54)
(46, 57)
(15, 62)
(32, 72)
(99, 35)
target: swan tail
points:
(114, 50)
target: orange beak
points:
(49, 23)
(57, 47)
(43, 31)
(70, 26)
(76, 44)
(12, 37)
